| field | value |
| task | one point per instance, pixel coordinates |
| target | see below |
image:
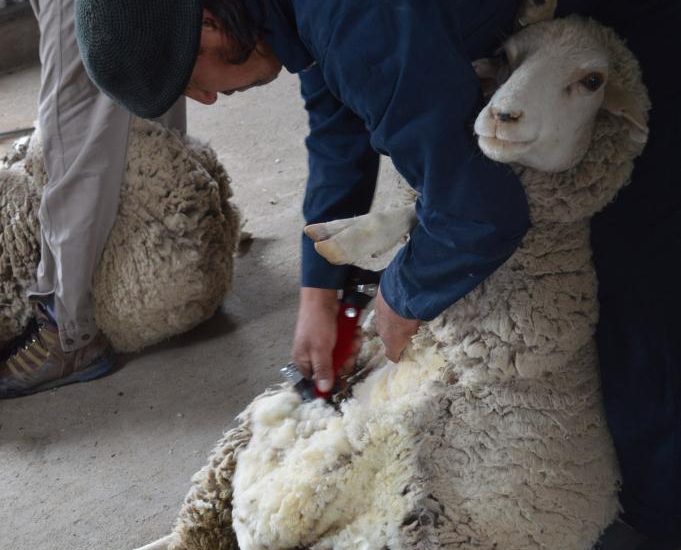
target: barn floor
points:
(106, 464)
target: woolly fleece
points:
(168, 262)
(490, 434)
(19, 249)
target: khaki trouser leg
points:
(85, 143)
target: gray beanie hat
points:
(141, 53)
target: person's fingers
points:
(392, 351)
(315, 330)
(349, 365)
(395, 331)
(301, 357)
(394, 341)
(322, 369)
(303, 364)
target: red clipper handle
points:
(347, 321)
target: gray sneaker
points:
(38, 363)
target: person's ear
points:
(210, 23)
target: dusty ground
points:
(106, 465)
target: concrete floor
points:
(106, 464)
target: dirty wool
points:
(168, 262)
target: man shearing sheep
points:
(395, 78)
(392, 78)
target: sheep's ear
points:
(489, 71)
(624, 105)
(534, 11)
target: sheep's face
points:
(553, 79)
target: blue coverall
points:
(395, 77)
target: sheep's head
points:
(553, 78)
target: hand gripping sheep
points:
(490, 433)
(168, 262)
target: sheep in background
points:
(490, 432)
(19, 250)
(168, 262)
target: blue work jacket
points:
(394, 77)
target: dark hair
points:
(239, 24)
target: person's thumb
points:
(322, 369)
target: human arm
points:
(341, 183)
(402, 68)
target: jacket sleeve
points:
(419, 104)
(342, 172)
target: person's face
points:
(213, 73)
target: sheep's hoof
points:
(330, 250)
(161, 544)
(317, 232)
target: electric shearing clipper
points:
(360, 289)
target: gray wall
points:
(19, 35)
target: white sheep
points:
(490, 432)
(168, 262)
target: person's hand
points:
(394, 330)
(315, 337)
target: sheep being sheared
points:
(490, 431)
(168, 262)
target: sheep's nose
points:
(507, 116)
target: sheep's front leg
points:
(352, 240)
(160, 544)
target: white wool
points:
(309, 470)
(305, 440)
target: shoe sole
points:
(97, 370)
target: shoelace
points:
(32, 352)
(20, 341)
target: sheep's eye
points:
(592, 81)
